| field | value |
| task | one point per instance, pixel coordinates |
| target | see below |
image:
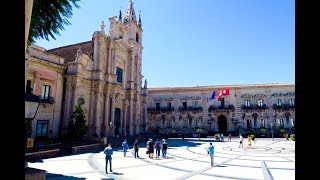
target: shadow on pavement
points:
(36, 161)
(175, 143)
(60, 176)
(221, 166)
(115, 173)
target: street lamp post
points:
(271, 124)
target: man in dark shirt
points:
(158, 148)
(164, 148)
(136, 148)
(108, 152)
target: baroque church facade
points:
(104, 75)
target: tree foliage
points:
(49, 17)
(78, 126)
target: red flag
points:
(224, 92)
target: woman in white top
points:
(240, 141)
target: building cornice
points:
(217, 87)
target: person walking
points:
(125, 147)
(210, 150)
(164, 147)
(222, 140)
(136, 148)
(229, 137)
(158, 148)
(240, 141)
(108, 152)
(147, 147)
(249, 142)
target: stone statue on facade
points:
(98, 127)
(78, 55)
(102, 26)
(145, 83)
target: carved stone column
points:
(97, 116)
(131, 116)
(109, 58)
(125, 115)
(146, 117)
(112, 113)
(67, 108)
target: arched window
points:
(137, 37)
(247, 103)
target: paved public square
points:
(187, 159)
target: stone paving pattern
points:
(187, 159)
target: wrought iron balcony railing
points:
(226, 107)
(190, 108)
(283, 106)
(49, 100)
(31, 97)
(165, 109)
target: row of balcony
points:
(34, 98)
(264, 106)
(226, 107)
(190, 108)
(283, 106)
(165, 109)
(254, 106)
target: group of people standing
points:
(151, 146)
(158, 146)
(162, 146)
(221, 137)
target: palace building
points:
(247, 107)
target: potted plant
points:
(174, 132)
(216, 136)
(293, 137)
(252, 137)
(263, 132)
(282, 132)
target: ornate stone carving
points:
(184, 98)
(246, 96)
(259, 95)
(195, 97)
(81, 100)
(157, 98)
(168, 98)
(102, 26)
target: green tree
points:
(50, 16)
(199, 131)
(78, 126)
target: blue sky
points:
(200, 42)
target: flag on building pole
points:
(224, 92)
(212, 96)
(211, 99)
